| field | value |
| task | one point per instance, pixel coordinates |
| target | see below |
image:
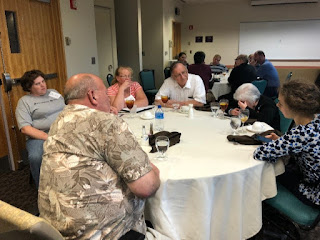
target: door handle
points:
(7, 82)
(110, 68)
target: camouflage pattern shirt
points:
(88, 158)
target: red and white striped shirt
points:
(114, 89)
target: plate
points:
(146, 118)
(183, 112)
(249, 128)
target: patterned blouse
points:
(88, 158)
(114, 89)
(302, 142)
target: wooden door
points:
(38, 27)
(176, 34)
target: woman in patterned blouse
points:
(122, 87)
(299, 101)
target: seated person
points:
(269, 73)
(216, 66)
(252, 61)
(242, 73)
(182, 88)
(35, 113)
(95, 177)
(300, 101)
(182, 57)
(261, 107)
(122, 87)
(201, 69)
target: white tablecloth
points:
(210, 188)
(222, 87)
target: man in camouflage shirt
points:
(94, 175)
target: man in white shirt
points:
(182, 88)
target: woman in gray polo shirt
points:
(35, 113)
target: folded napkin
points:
(205, 108)
(251, 140)
(174, 138)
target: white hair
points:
(247, 92)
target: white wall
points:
(169, 17)
(79, 26)
(222, 21)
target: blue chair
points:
(148, 84)
(290, 208)
(109, 79)
(285, 123)
(167, 72)
(260, 84)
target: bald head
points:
(78, 85)
(87, 89)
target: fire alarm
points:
(73, 4)
(177, 11)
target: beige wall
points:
(222, 21)
(79, 26)
(128, 36)
(169, 17)
(152, 43)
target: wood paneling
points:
(39, 31)
(176, 34)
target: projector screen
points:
(282, 40)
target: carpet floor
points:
(15, 189)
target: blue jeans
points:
(35, 151)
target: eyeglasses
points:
(122, 76)
(180, 74)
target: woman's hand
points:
(272, 136)
(126, 84)
(235, 112)
(113, 110)
(242, 104)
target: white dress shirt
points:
(194, 89)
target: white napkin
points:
(130, 98)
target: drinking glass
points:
(235, 123)
(224, 103)
(164, 98)
(162, 144)
(175, 107)
(214, 108)
(130, 104)
(244, 116)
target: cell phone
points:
(263, 139)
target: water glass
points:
(162, 144)
(235, 123)
(214, 108)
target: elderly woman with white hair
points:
(261, 107)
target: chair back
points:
(289, 76)
(147, 79)
(18, 224)
(260, 84)
(109, 78)
(285, 123)
(167, 72)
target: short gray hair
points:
(79, 89)
(247, 92)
